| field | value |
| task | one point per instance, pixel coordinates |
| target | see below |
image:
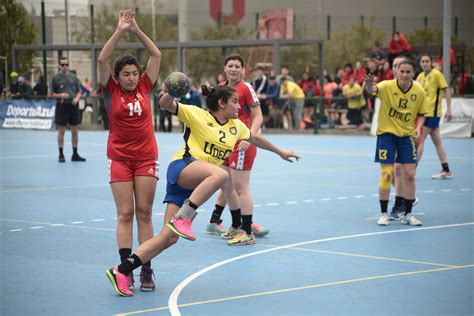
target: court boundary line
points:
(173, 299)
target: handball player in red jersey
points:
(132, 151)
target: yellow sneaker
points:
(242, 239)
(230, 233)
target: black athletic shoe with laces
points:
(76, 157)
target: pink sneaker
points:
(259, 231)
(119, 281)
(182, 227)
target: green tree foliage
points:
(425, 36)
(206, 63)
(105, 23)
(352, 45)
(16, 29)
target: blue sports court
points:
(325, 254)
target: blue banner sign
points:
(28, 114)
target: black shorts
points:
(67, 114)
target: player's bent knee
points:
(386, 176)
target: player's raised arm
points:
(123, 26)
(153, 65)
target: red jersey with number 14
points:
(247, 99)
(131, 135)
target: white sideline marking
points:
(291, 202)
(272, 204)
(98, 220)
(36, 227)
(78, 222)
(308, 201)
(325, 199)
(15, 230)
(358, 196)
(173, 299)
(342, 198)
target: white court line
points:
(36, 227)
(78, 222)
(291, 202)
(325, 199)
(342, 198)
(447, 190)
(465, 189)
(272, 204)
(308, 201)
(173, 299)
(98, 220)
(359, 196)
(15, 230)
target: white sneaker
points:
(443, 175)
(410, 219)
(383, 220)
(417, 200)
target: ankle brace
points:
(187, 211)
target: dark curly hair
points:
(124, 60)
(215, 94)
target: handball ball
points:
(177, 84)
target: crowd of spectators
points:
(285, 102)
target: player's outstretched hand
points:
(288, 154)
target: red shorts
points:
(125, 170)
(242, 160)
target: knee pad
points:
(386, 176)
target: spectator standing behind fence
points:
(270, 104)
(260, 82)
(347, 73)
(25, 89)
(378, 56)
(41, 87)
(293, 92)
(13, 89)
(398, 45)
(355, 102)
(359, 73)
(284, 72)
(65, 87)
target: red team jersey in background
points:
(131, 135)
(247, 98)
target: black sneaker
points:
(76, 157)
(61, 158)
(146, 279)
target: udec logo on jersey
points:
(233, 130)
(212, 150)
(413, 97)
